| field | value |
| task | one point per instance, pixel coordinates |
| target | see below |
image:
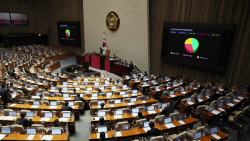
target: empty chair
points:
(39, 128)
(166, 92)
(44, 102)
(58, 95)
(102, 94)
(80, 104)
(200, 110)
(119, 125)
(176, 90)
(6, 112)
(183, 135)
(139, 123)
(171, 137)
(20, 93)
(175, 116)
(17, 128)
(61, 102)
(126, 100)
(236, 119)
(88, 94)
(45, 94)
(24, 111)
(159, 119)
(157, 138)
(190, 133)
(140, 98)
(93, 103)
(245, 114)
(30, 102)
(111, 101)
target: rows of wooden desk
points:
(37, 137)
(7, 120)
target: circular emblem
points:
(112, 21)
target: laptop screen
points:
(53, 103)
(157, 87)
(146, 124)
(44, 81)
(198, 96)
(66, 115)
(113, 87)
(101, 88)
(56, 131)
(96, 83)
(133, 100)
(119, 112)
(94, 95)
(122, 92)
(171, 92)
(189, 99)
(124, 86)
(182, 89)
(48, 115)
(102, 129)
(135, 110)
(220, 104)
(65, 83)
(117, 101)
(31, 131)
(167, 120)
(134, 91)
(81, 95)
(5, 130)
(210, 108)
(75, 83)
(106, 83)
(66, 95)
(184, 116)
(89, 88)
(29, 114)
(51, 95)
(97, 79)
(109, 94)
(36, 102)
(64, 74)
(77, 89)
(101, 114)
(53, 88)
(163, 105)
(125, 127)
(12, 113)
(178, 139)
(214, 130)
(190, 86)
(151, 108)
(71, 103)
(197, 136)
(38, 94)
(174, 83)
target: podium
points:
(97, 61)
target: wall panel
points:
(203, 11)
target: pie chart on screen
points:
(67, 32)
(191, 45)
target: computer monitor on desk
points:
(135, 110)
(5, 130)
(117, 101)
(102, 129)
(31, 131)
(101, 113)
(48, 115)
(163, 105)
(125, 126)
(53, 103)
(171, 92)
(66, 95)
(197, 136)
(56, 131)
(12, 113)
(133, 99)
(178, 139)
(66, 115)
(29, 114)
(146, 124)
(167, 120)
(36, 103)
(119, 112)
(213, 130)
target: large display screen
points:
(205, 46)
(69, 33)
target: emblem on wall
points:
(112, 21)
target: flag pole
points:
(105, 40)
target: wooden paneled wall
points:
(38, 15)
(66, 10)
(203, 11)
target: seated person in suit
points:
(101, 122)
(214, 96)
(22, 121)
(102, 137)
(66, 107)
(246, 102)
(145, 73)
(125, 63)
(153, 131)
(56, 124)
(46, 89)
(131, 64)
(139, 117)
(196, 104)
(60, 90)
(23, 89)
(168, 110)
(78, 98)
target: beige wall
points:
(131, 41)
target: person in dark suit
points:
(66, 107)
(22, 121)
(196, 104)
(3, 93)
(78, 98)
(214, 96)
(153, 131)
(168, 110)
(8, 96)
(131, 64)
(101, 122)
(23, 89)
